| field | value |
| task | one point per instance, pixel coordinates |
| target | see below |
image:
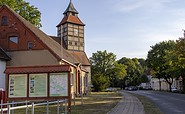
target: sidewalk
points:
(128, 105)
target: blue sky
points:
(125, 27)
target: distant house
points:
(32, 59)
(155, 82)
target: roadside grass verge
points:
(149, 106)
(95, 103)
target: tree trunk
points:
(159, 84)
(170, 82)
(170, 87)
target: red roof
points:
(38, 69)
(71, 19)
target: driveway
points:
(168, 103)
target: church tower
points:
(71, 29)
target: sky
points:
(126, 28)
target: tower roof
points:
(71, 19)
(71, 8)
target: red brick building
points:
(36, 62)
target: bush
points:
(99, 82)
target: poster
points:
(58, 84)
(17, 85)
(37, 85)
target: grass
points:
(95, 103)
(149, 106)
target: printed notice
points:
(59, 84)
(38, 85)
(17, 85)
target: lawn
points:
(95, 103)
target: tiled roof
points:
(57, 39)
(3, 55)
(79, 57)
(71, 19)
(38, 69)
(55, 48)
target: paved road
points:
(168, 103)
(128, 105)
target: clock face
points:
(76, 32)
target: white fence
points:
(61, 106)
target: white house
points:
(3, 58)
(177, 83)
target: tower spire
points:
(71, 8)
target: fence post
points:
(33, 108)
(62, 107)
(12, 106)
(58, 107)
(26, 107)
(65, 106)
(8, 109)
(47, 107)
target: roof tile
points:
(71, 19)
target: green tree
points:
(116, 74)
(23, 8)
(159, 58)
(143, 78)
(100, 82)
(101, 63)
(180, 59)
(135, 69)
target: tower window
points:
(81, 44)
(75, 43)
(4, 20)
(73, 14)
(70, 43)
(30, 45)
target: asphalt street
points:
(168, 103)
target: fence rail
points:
(26, 104)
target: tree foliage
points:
(101, 61)
(116, 74)
(180, 59)
(160, 59)
(27, 11)
(104, 67)
(135, 70)
(100, 82)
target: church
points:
(34, 65)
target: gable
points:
(14, 35)
(26, 32)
